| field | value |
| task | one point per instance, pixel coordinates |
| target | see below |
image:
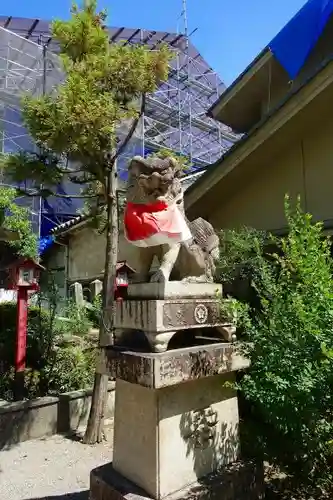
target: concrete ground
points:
(55, 468)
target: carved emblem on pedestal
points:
(183, 314)
(200, 427)
(201, 314)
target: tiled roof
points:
(68, 225)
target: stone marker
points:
(76, 293)
(96, 287)
(176, 428)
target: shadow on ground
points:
(79, 495)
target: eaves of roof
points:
(210, 169)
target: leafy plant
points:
(290, 383)
(183, 161)
(55, 361)
(37, 336)
(72, 368)
(17, 219)
(76, 320)
(241, 251)
(94, 314)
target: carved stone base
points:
(160, 319)
(239, 481)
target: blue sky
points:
(230, 33)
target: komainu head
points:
(153, 179)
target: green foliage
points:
(94, 314)
(56, 362)
(290, 383)
(16, 218)
(72, 368)
(77, 320)
(182, 160)
(38, 335)
(241, 252)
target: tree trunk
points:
(94, 431)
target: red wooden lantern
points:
(123, 274)
(23, 277)
(24, 273)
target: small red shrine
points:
(24, 273)
(123, 275)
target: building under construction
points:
(175, 115)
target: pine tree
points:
(104, 85)
(15, 225)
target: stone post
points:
(96, 287)
(76, 293)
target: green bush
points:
(94, 313)
(78, 322)
(39, 335)
(290, 383)
(54, 363)
(71, 368)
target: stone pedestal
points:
(240, 481)
(176, 427)
(162, 309)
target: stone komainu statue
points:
(155, 223)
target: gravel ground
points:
(55, 468)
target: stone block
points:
(157, 370)
(167, 315)
(160, 319)
(174, 289)
(76, 293)
(168, 438)
(239, 481)
(25, 420)
(96, 288)
(74, 408)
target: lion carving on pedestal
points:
(155, 223)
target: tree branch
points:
(131, 131)
(57, 195)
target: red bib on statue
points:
(155, 224)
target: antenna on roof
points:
(184, 16)
(184, 29)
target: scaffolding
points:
(175, 115)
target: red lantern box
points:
(123, 274)
(24, 273)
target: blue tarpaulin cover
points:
(293, 44)
(44, 243)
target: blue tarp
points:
(293, 44)
(44, 243)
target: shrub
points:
(39, 335)
(71, 368)
(241, 251)
(239, 264)
(54, 363)
(290, 382)
(78, 322)
(94, 313)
